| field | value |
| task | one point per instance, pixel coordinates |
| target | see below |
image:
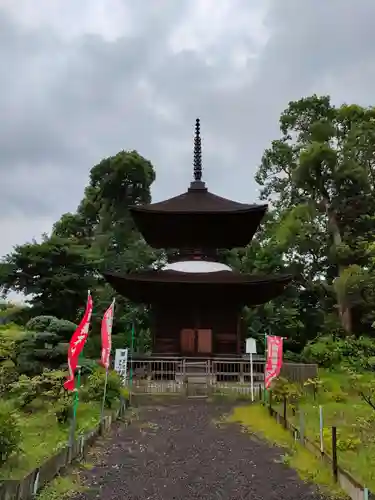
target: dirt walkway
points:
(178, 452)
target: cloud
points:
(83, 80)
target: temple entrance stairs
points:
(198, 378)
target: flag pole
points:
(104, 396)
(75, 408)
(251, 378)
(73, 424)
(131, 359)
(109, 337)
(265, 365)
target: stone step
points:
(197, 389)
(196, 379)
(191, 369)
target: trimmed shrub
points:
(39, 323)
(39, 350)
(62, 328)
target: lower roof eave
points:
(250, 291)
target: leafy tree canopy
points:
(56, 273)
(320, 177)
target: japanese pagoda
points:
(195, 300)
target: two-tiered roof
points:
(195, 292)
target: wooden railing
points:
(172, 372)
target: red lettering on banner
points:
(274, 359)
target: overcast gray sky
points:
(81, 80)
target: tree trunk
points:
(343, 306)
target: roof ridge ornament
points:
(197, 152)
(197, 184)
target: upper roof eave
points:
(169, 206)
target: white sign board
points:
(251, 346)
(121, 362)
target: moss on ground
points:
(255, 418)
(61, 487)
(64, 487)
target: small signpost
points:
(121, 363)
(321, 428)
(251, 348)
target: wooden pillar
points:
(239, 332)
(196, 328)
(242, 375)
(153, 324)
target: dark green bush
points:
(292, 357)
(35, 405)
(63, 410)
(47, 387)
(94, 387)
(8, 375)
(39, 350)
(88, 366)
(10, 434)
(23, 391)
(325, 352)
(328, 352)
(283, 389)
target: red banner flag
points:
(274, 359)
(107, 323)
(77, 343)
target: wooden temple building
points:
(195, 300)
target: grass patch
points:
(43, 436)
(62, 487)
(355, 422)
(309, 468)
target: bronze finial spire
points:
(197, 183)
(197, 152)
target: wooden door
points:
(187, 338)
(204, 341)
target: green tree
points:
(100, 235)
(296, 314)
(54, 275)
(102, 218)
(320, 175)
(117, 183)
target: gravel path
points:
(178, 452)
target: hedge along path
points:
(178, 451)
